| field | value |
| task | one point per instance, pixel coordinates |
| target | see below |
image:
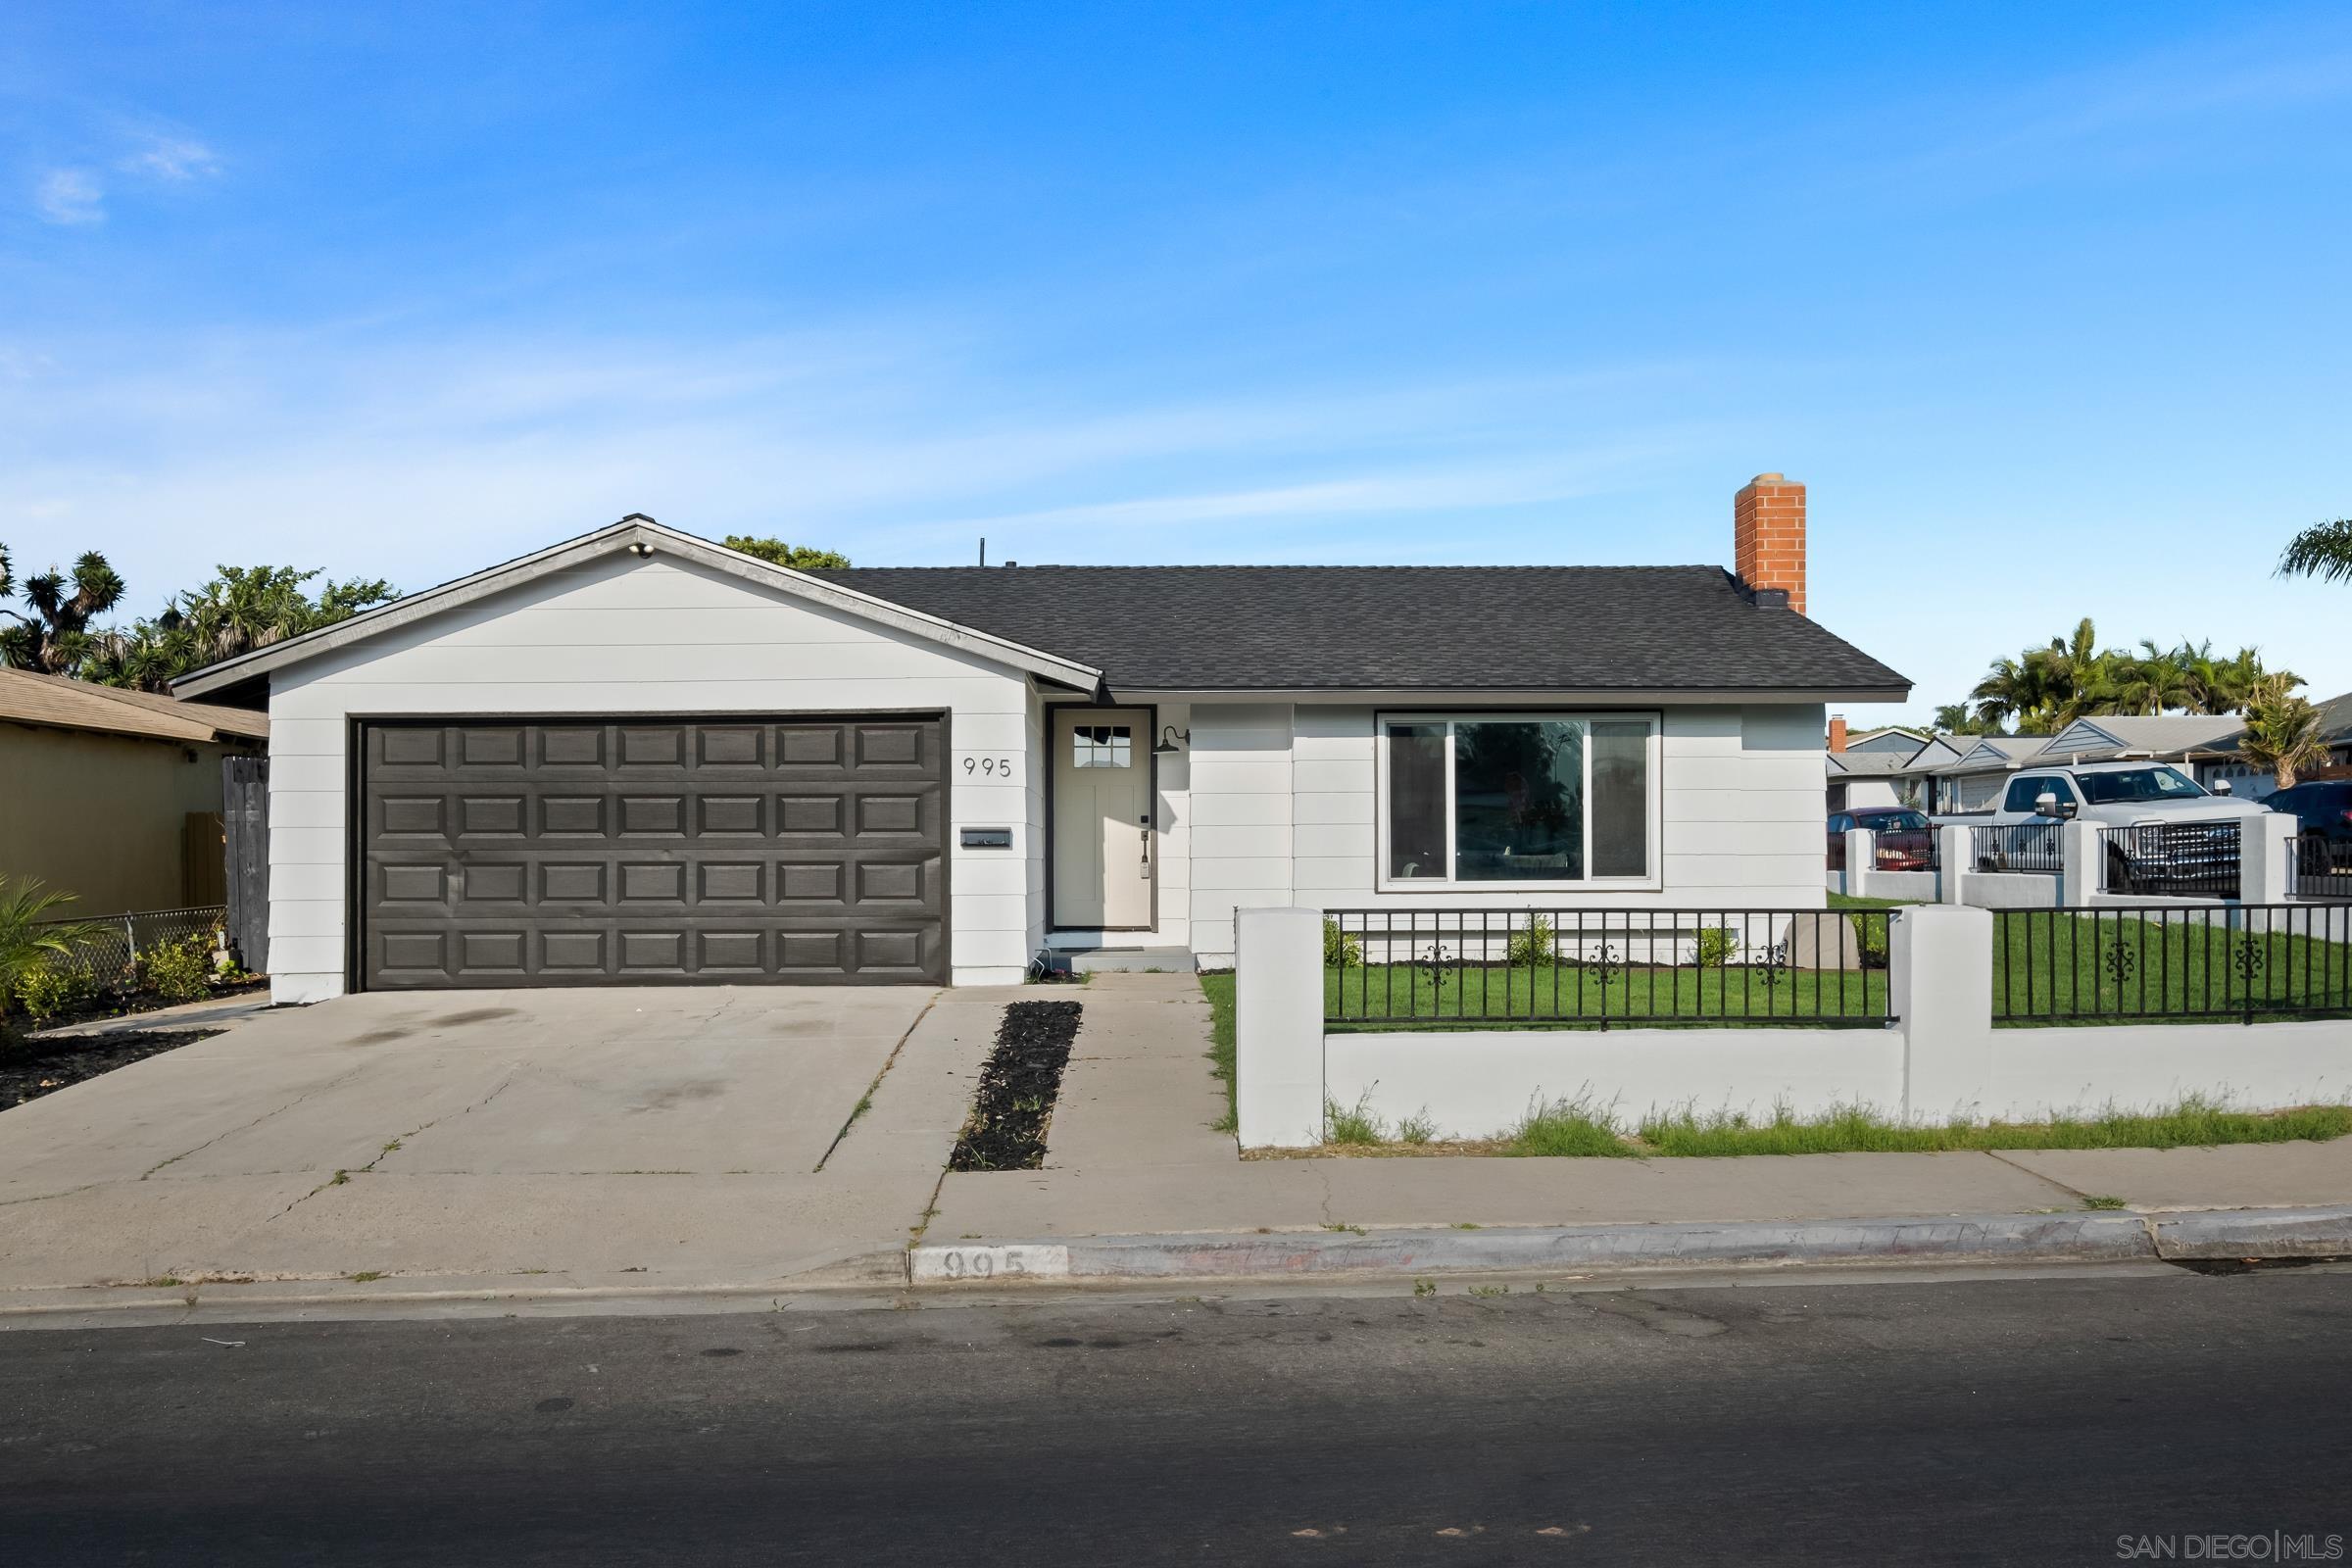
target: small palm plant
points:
(2284, 732)
(29, 938)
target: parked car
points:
(2321, 807)
(1906, 841)
(2167, 832)
(2323, 812)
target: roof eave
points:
(628, 533)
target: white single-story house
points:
(640, 756)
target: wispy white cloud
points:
(70, 197)
(171, 158)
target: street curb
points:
(2089, 1238)
(2264, 1233)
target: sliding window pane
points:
(1518, 807)
(1620, 798)
(1416, 801)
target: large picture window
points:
(1486, 799)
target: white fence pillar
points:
(2083, 869)
(1955, 853)
(1940, 976)
(1861, 858)
(2266, 864)
(1278, 1027)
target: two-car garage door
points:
(625, 851)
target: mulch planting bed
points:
(31, 1068)
(130, 1003)
(1018, 1085)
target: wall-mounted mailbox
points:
(987, 838)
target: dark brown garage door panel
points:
(560, 852)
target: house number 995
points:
(988, 767)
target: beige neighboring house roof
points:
(56, 702)
(2112, 737)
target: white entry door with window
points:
(1102, 849)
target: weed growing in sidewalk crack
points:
(2102, 1200)
(1424, 1287)
(1353, 1230)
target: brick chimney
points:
(1768, 536)
(1836, 732)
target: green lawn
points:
(2085, 967)
(1217, 987)
(1567, 995)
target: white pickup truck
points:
(2185, 829)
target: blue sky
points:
(2048, 305)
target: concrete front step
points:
(1128, 960)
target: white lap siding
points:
(1741, 807)
(1241, 800)
(624, 635)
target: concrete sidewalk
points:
(1132, 1163)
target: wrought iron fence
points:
(2177, 860)
(2323, 868)
(2036, 847)
(1393, 968)
(2241, 961)
(117, 942)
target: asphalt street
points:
(2063, 1420)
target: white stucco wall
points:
(1283, 796)
(624, 635)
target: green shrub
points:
(1870, 931)
(178, 972)
(1714, 949)
(1342, 950)
(1534, 943)
(46, 990)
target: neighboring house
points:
(1972, 780)
(2260, 783)
(640, 756)
(1863, 779)
(1891, 740)
(115, 796)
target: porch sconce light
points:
(1169, 735)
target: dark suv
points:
(2323, 812)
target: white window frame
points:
(1653, 817)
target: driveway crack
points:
(317, 1089)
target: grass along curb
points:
(1578, 1128)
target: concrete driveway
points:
(664, 1136)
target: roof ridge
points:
(1293, 565)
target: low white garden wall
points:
(1475, 1083)
(1940, 1057)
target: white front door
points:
(1102, 849)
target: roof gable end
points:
(640, 535)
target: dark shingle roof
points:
(1285, 628)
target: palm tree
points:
(2155, 680)
(52, 637)
(2282, 730)
(2323, 551)
(25, 941)
(242, 609)
(2011, 690)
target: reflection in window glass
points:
(1098, 746)
(1518, 800)
(1620, 798)
(1417, 801)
